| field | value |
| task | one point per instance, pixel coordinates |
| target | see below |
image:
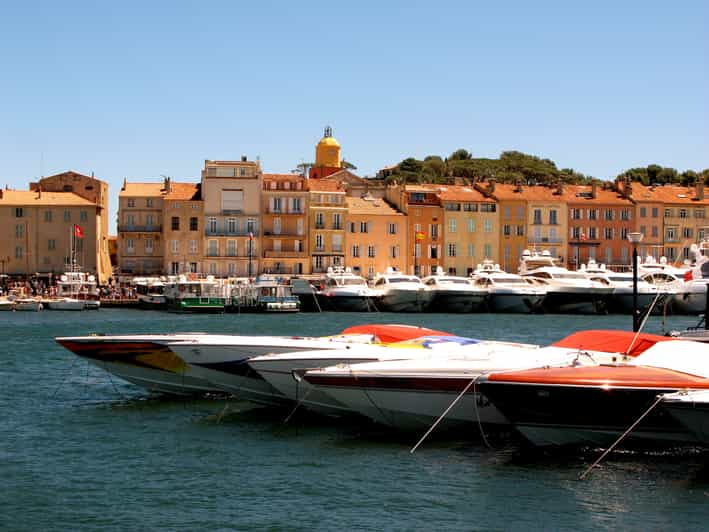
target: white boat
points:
(28, 304)
(344, 291)
(508, 292)
(190, 294)
(150, 292)
(77, 285)
(691, 409)
(6, 304)
(65, 303)
(448, 293)
(622, 283)
(566, 291)
(143, 359)
(397, 292)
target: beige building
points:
(183, 243)
(547, 220)
(327, 213)
(376, 237)
(284, 215)
(140, 224)
(231, 191)
(44, 224)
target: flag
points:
(583, 235)
(78, 231)
(688, 275)
(419, 236)
(251, 235)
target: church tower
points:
(327, 156)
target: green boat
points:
(191, 295)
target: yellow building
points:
(376, 237)
(471, 229)
(547, 220)
(231, 191)
(327, 212)
(512, 212)
(183, 243)
(284, 214)
(40, 223)
(140, 226)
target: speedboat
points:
(344, 291)
(691, 409)
(596, 404)
(412, 393)
(6, 304)
(449, 293)
(397, 292)
(622, 283)
(142, 359)
(223, 360)
(508, 292)
(566, 291)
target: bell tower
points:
(327, 156)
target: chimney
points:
(700, 189)
(491, 186)
(518, 185)
(594, 189)
(1, 193)
(34, 186)
(559, 189)
(167, 185)
(39, 191)
(243, 158)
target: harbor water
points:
(81, 450)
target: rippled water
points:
(80, 450)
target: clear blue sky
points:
(139, 89)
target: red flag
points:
(78, 231)
(688, 275)
(251, 235)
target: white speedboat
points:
(691, 409)
(448, 293)
(28, 304)
(566, 291)
(142, 359)
(6, 304)
(223, 360)
(65, 303)
(344, 291)
(508, 292)
(397, 292)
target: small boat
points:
(508, 292)
(65, 303)
(77, 285)
(448, 293)
(397, 292)
(6, 304)
(273, 296)
(28, 304)
(150, 292)
(344, 291)
(691, 409)
(189, 294)
(595, 404)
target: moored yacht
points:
(342, 290)
(398, 292)
(191, 294)
(508, 292)
(566, 291)
(448, 293)
(150, 292)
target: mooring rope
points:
(642, 325)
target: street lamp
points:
(635, 239)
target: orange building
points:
(376, 236)
(284, 215)
(512, 209)
(182, 240)
(140, 219)
(547, 220)
(649, 221)
(599, 220)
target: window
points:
(371, 252)
(655, 212)
(174, 268)
(593, 214)
(394, 252)
(470, 207)
(318, 262)
(194, 223)
(175, 223)
(392, 228)
(452, 225)
(670, 234)
(319, 220)
(211, 225)
(668, 214)
(508, 213)
(643, 212)
(336, 242)
(417, 250)
(452, 206)
(232, 201)
(130, 245)
(19, 230)
(471, 250)
(683, 213)
(608, 214)
(296, 205)
(433, 230)
(576, 214)
(231, 269)
(149, 202)
(487, 226)
(18, 252)
(83, 216)
(353, 228)
(131, 202)
(671, 253)
(520, 213)
(506, 230)
(433, 252)
(553, 217)
(687, 232)
(299, 226)
(337, 221)
(276, 204)
(319, 243)
(277, 226)
(623, 233)
(47, 216)
(231, 248)
(654, 231)
(51, 244)
(451, 250)
(576, 233)
(251, 226)
(643, 229)
(149, 246)
(193, 246)
(130, 221)
(212, 268)
(685, 253)
(699, 213)
(363, 227)
(212, 248)
(537, 217)
(174, 246)
(231, 225)
(593, 233)
(520, 230)
(608, 233)
(488, 251)
(67, 216)
(488, 207)
(355, 251)
(471, 225)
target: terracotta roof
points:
(184, 191)
(673, 194)
(574, 194)
(461, 193)
(282, 177)
(324, 185)
(142, 189)
(505, 191)
(373, 206)
(30, 197)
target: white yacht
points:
(691, 296)
(398, 292)
(449, 293)
(150, 292)
(342, 290)
(622, 283)
(75, 286)
(566, 291)
(508, 292)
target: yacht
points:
(398, 292)
(566, 291)
(449, 293)
(342, 290)
(64, 303)
(191, 294)
(150, 292)
(508, 292)
(622, 283)
(691, 409)
(76, 285)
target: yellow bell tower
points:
(327, 156)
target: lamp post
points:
(635, 239)
(251, 243)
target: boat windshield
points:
(353, 282)
(448, 280)
(403, 280)
(569, 276)
(510, 280)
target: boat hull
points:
(66, 304)
(403, 301)
(453, 301)
(514, 303)
(692, 415)
(574, 302)
(346, 303)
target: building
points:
(140, 225)
(231, 191)
(599, 220)
(649, 221)
(182, 235)
(376, 237)
(284, 215)
(470, 228)
(327, 156)
(59, 224)
(327, 213)
(547, 220)
(512, 215)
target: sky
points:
(138, 90)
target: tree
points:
(460, 155)
(348, 165)
(303, 168)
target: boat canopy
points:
(390, 333)
(611, 341)
(684, 356)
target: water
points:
(82, 450)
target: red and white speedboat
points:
(412, 393)
(593, 405)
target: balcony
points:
(140, 228)
(224, 232)
(283, 212)
(284, 234)
(272, 254)
(232, 212)
(544, 240)
(319, 226)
